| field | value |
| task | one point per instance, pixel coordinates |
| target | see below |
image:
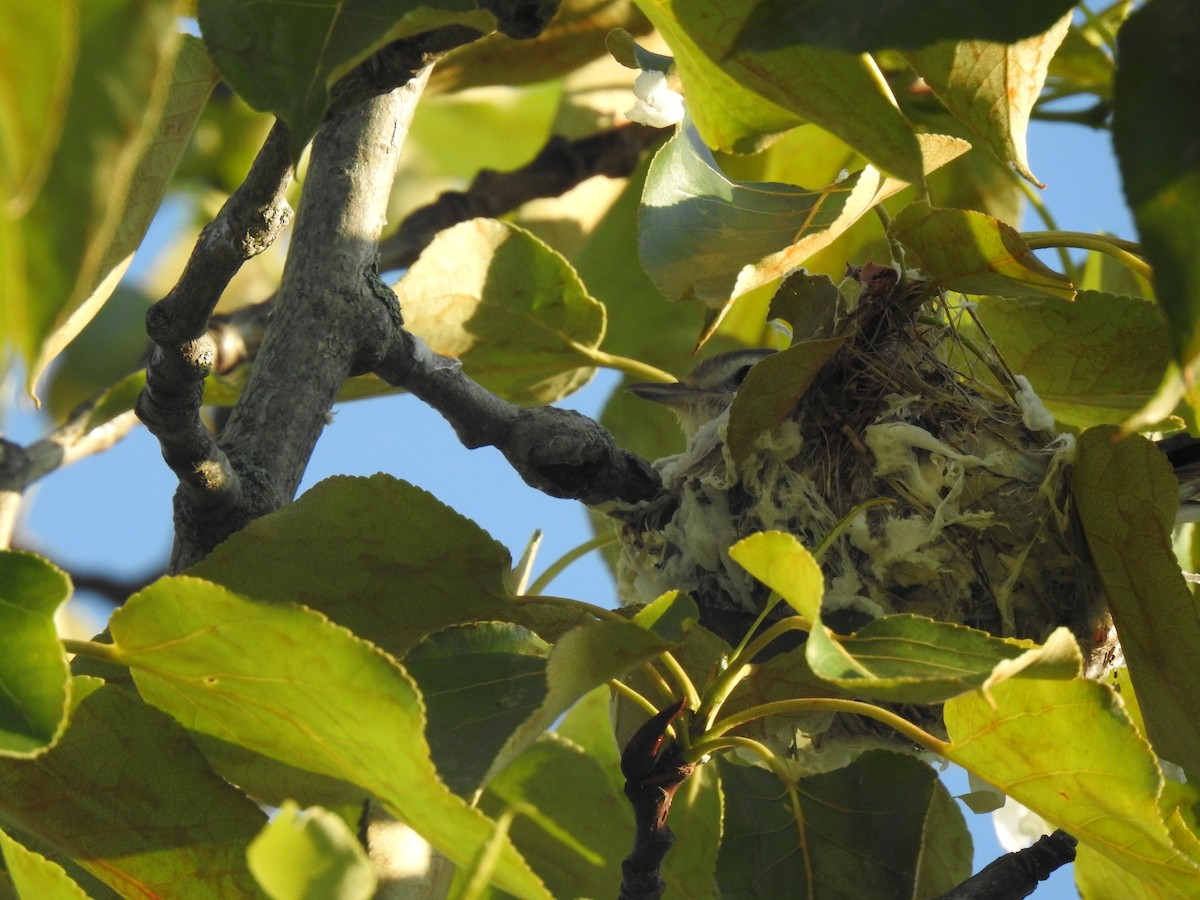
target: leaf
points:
(285, 682)
(784, 565)
(35, 876)
(305, 853)
(968, 251)
(127, 795)
(479, 683)
(703, 236)
(737, 97)
(284, 58)
(859, 831)
(349, 546)
(1093, 361)
(33, 669)
(506, 304)
(1127, 497)
(39, 45)
(63, 257)
(772, 389)
(860, 26)
(1066, 750)
(992, 87)
(1156, 148)
(575, 825)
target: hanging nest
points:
(975, 525)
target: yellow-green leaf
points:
(307, 853)
(784, 565)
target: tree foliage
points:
(364, 652)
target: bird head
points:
(705, 393)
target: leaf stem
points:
(556, 568)
(634, 367)
(1043, 211)
(917, 735)
(1125, 252)
(96, 650)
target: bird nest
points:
(939, 475)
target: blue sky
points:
(112, 514)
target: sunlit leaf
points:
(1103, 786)
(287, 683)
(285, 57)
(866, 25)
(703, 236)
(784, 565)
(1092, 361)
(511, 308)
(35, 876)
(1127, 497)
(33, 668)
(377, 555)
(991, 86)
(305, 853)
(153, 818)
(969, 251)
(1156, 149)
(859, 831)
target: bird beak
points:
(668, 394)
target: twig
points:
(1017, 874)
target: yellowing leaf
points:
(784, 565)
(969, 251)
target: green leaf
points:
(738, 97)
(855, 832)
(772, 389)
(696, 822)
(574, 826)
(1127, 497)
(284, 58)
(670, 617)
(506, 304)
(860, 26)
(704, 236)
(350, 545)
(127, 795)
(35, 876)
(61, 260)
(968, 251)
(479, 683)
(1156, 148)
(287, 683)
(1093, 361)
(992, 87)
(1066, 750)
(308, 853)
(33, 668)
(784, 565)
(39, 45)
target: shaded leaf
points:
(61, 260)
(1127, 497)
(506, 304)
(1103, 789)
(379, 556)
(772, 389)
(287, 683)
(1157, 151)
(992, 87)
(1096, 360)
(704, 236)
(479, 683)
(33, 668)
(284, 58)
(670, 617)
(969, 251)
(865, 25)
(308, 853)
(859, 831)
(154, 819)
(35, 876)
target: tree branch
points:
(557, 451)
(558, 167)
(1017, 874)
